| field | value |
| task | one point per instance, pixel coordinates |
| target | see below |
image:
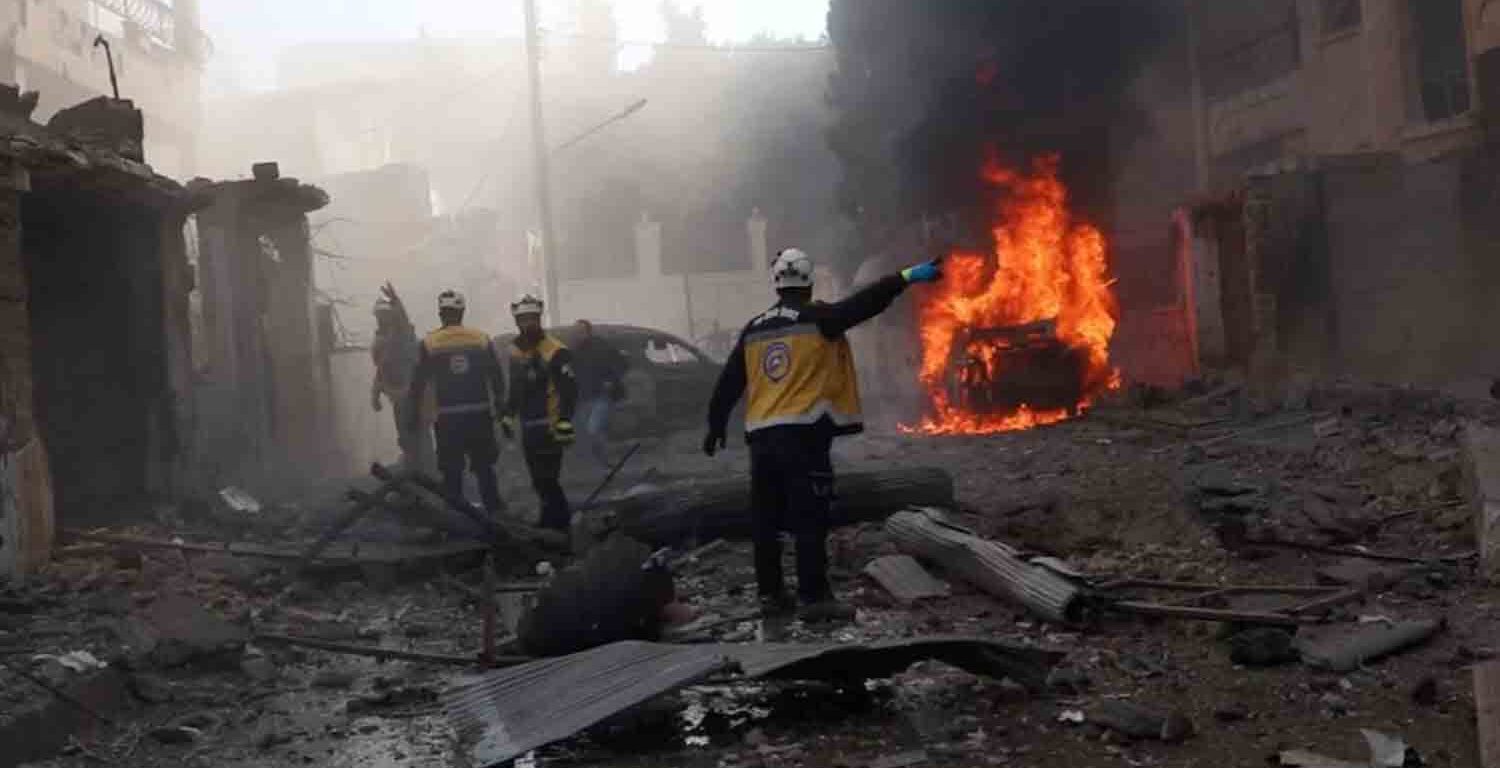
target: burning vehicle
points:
(998, 371)
(1019, 336)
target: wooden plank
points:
(905, 579)
(386, 653)
(1487, 712)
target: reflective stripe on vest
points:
(460, 360)
(797, 376)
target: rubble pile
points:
(1276, 586)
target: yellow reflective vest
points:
(796, 375)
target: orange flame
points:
(1046, 266)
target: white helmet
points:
(792, 269)
(526, 305)
(451, 300)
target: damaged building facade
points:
(115, 392)
(1347, 176)
(96, 347)
(263, 341)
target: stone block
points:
(1481, 466)
(113, 125)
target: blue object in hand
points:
(922, 273)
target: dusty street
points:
(1112, 495)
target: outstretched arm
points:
(836, 318)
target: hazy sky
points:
(248, 34)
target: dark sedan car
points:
(667, 385)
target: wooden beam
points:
(386, 653)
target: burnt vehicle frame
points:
(1030, 367)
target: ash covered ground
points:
(1121, 493)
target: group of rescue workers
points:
(792, 364)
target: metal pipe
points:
(109, 56)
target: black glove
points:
(712, 442)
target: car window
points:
(664, 352)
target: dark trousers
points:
(415, 442)
(544, 462)
(471, 437)
(791, 489)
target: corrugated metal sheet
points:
(510, 712)
(905, 578)
(989, 565)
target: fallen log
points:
(721, 508)
(1347, 652)
(989, 565)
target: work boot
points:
(826, 611)
(777, 605)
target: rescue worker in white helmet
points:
(796, 370)
(469, 385)
(543, 394)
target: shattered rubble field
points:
(1122, 493)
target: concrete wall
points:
(1352, 90)
(689, 305)
(52, 51)
(26, 509)
(1404, 285)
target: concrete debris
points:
(239, 500)
(905, 579)
(901, 759)
(1137, 722)
(1217, 481)
(176, 734)
(78, 661)
(1347, 649)
(1385, 752)
(1262, 647)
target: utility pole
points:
(543, 174)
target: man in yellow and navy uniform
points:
(794, 365)
(469, 384)
(543, 393)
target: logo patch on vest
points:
(776, 361)
(458, 365)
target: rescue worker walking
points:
(469, 385)
(543, 394)
(394, 353)
(795, 367)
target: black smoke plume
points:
(925, 88)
